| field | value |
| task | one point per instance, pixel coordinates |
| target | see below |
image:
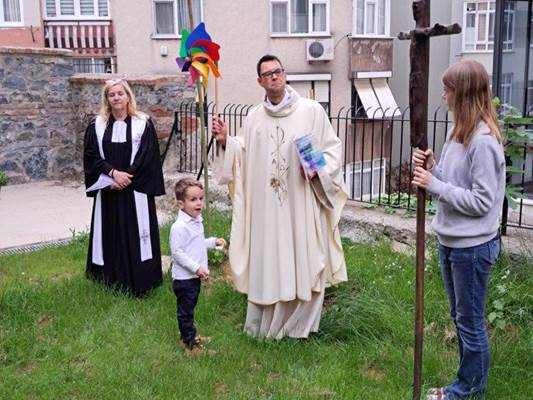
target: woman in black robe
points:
(123, 173)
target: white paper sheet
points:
(102, 182)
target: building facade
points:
(21, 23)
(323, 44)
(86, 28)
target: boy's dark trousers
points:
(187, 292)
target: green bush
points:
(4, 179)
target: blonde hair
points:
(468, 86)
(180, 189)
(105, 109)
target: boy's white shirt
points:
(188, 246)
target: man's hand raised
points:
(220, 131)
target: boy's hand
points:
(202, 273)
(220, 243)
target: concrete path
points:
(48, 211)
(42, 212)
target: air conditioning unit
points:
(319, 49)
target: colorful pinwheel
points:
(198, 55)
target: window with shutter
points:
(50, 8)
(87, 7)
(164, 17)
(103, 8)
(73, 9)
(67, 7)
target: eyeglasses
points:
(270, 74)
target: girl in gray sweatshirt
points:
(469, 182)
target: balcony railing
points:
(83, 37)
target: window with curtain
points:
(479, 25)
(83, 9)
(183, 14)
(164, 17)
(507, 88)
(319, 17)
(299, 17)
(10, 12)
(371, 17)
(171, 16)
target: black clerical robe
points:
(124, 250)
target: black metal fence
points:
(105, 65)
(376, 155)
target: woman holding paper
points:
(123, 173)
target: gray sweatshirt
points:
(470, 184)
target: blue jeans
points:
(465, 273)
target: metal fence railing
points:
(376, 154)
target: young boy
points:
(189, 255)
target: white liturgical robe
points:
(285, 242)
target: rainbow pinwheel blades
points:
(198, 55)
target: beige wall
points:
(243, 40)
(31, 21)
(439, 51)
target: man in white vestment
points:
(285, 242)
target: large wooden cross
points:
(418, 108)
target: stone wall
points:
(45, 108)
(35, 113)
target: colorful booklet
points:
(311, 157)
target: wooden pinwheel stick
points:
(203, 141)
(211, 140)
(418, 107)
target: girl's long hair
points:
(105, 109)
(470, 99)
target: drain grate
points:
(34, 246)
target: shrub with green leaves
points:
(4, 179)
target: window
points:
(508, 25)
(10, 13)
(171, 16)
(313, 86)
(77, 9)
(373, 99)
(373, 178)
(371, 18)
(94, 65)
(299, 17)
(479, 26)
(506, 88)
(529, 98)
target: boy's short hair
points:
(180, 189)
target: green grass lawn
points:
(65, 337)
